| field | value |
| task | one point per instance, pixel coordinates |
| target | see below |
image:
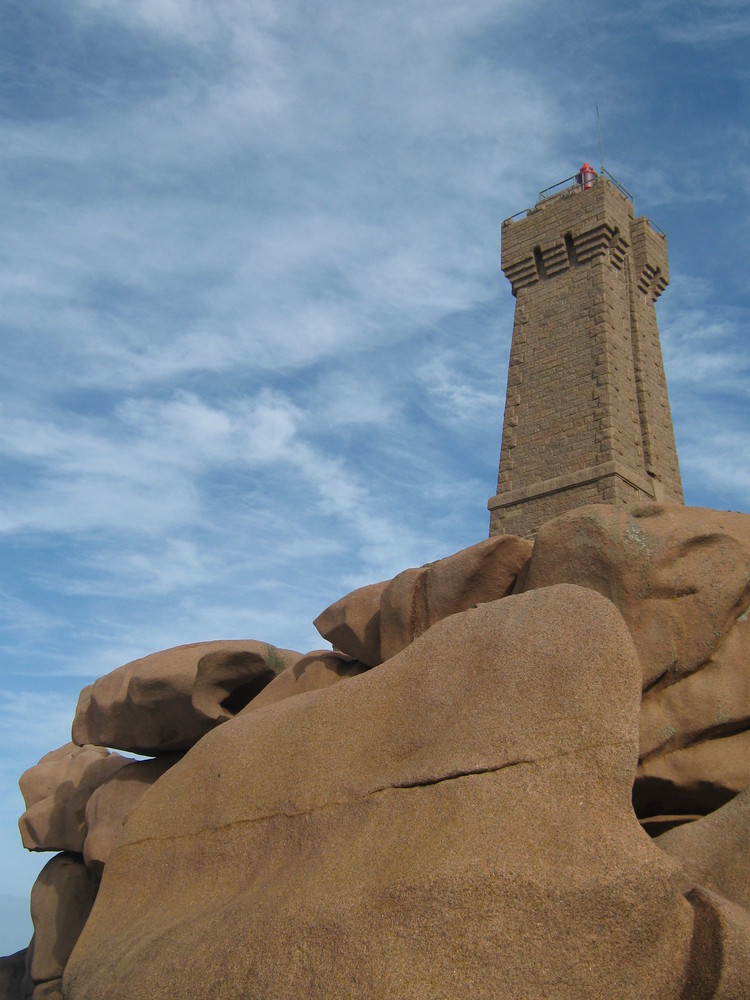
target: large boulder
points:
(165, 702)
(56, 791)
(681, 578)
(695, 733)
(713, 701)
(315, 671)
(720, 949)
(352, 624)
(51, 990)
(715, 850)
(113, 801)
(695, 779)
(376, 622)
(456, 823)
(61, 902)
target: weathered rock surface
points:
(61, 902)
(695, 733)
(56, 791)
(48, 991)
(147, 706)
(11, 976)
(315, 671)
(696, 779)
(113, 801)
(456, 823)
(680, 576)
(417, 599)
(711, 702)
(720, 949)
(715, 850)
(352, 624)
(404, 608)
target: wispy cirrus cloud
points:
(702, 22)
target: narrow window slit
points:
(570, 250)
(539, 261)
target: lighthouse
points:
(587, 417)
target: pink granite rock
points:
(112, 802)
(51, 990)
(61, 902)
(352, 624)
(680, 576)
(695, 733)
(148, 707)
(711, 702)
(694, 779)
(11, 976)
(316, 670)
(418, 598)
(715, 851)
(56, 791)
(374, 623)
(456, 823)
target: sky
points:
(254, 329)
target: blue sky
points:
(254, 328)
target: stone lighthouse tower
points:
(587, 416)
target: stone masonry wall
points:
(522, 517)
(649, 278)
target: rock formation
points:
(378, 621)
(56, 791)
(12, 970)
(167, 701)
(447, 804)
(424, 802)
(61, 902)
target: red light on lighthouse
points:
(586, 176)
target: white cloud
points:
(458, 396)
(23, 617)
(32, 718)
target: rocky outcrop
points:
(469, 835)
(680, 576)
(714, 700)
(167, 701)
(352, 624)
(61, 902)
(48, 991)
(715, 851)
(442, 805)
(113, 801)
(374, 623)
(11, 976)
(313, 672)
(694, 780)
(56, 792)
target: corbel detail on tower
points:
(594, 242)
(649, 258)
(618, 248)
(651, 281)
(521, 273)
(555, 260)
